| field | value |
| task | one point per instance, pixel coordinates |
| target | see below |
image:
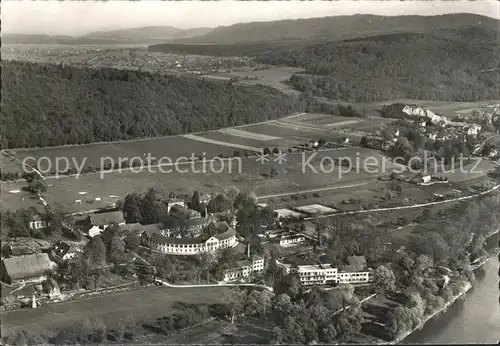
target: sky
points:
(81, 17)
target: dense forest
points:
(446, 65)
(48, 105)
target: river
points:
(475, 319)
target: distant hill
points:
(446, 64)
(144, 35)
(149, 33)
(336, 28)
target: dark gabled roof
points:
(61, 248)
(356, 260)
(28, 266)
(108, 218)
(228, 233)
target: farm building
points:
(224, 238)
(99, 222)
(376, 143)
(315, 209)
(244, 269)
(286, 213)
(63, 251)
(26, 269)
(28, 247)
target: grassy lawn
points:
(143, 305)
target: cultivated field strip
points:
(249, 135)
(226, 144)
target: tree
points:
(109, 233)
(328, 334)
(276, 151)
(96, 250)
(235, 299)
(96, 277)
(132, 208)
(321, 142)
(384, 280)
(219, 204)
(258, 302)
(37, 186)
(266, 151)
(195, 201)
(132, 242)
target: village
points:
(29, 267)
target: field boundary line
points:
(226, 144)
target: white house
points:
(243, 269)
(37, 223)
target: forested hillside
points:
(337, 28)
(444, 65)
(47, 105)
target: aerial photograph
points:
(250, 172)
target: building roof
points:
(108, 218)
(28, 266)
(61, 248)
(307, 268)
(358, 262)
(243, 263)
(226, 233)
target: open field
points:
(252, 137)
(142, 304)
(246, 174)
(275, 77)
(172, 147)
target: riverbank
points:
(426, 319)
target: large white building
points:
(244, 269)
(323, 274)
(226, 238)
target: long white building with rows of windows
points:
(225, 238)
(324, 274)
